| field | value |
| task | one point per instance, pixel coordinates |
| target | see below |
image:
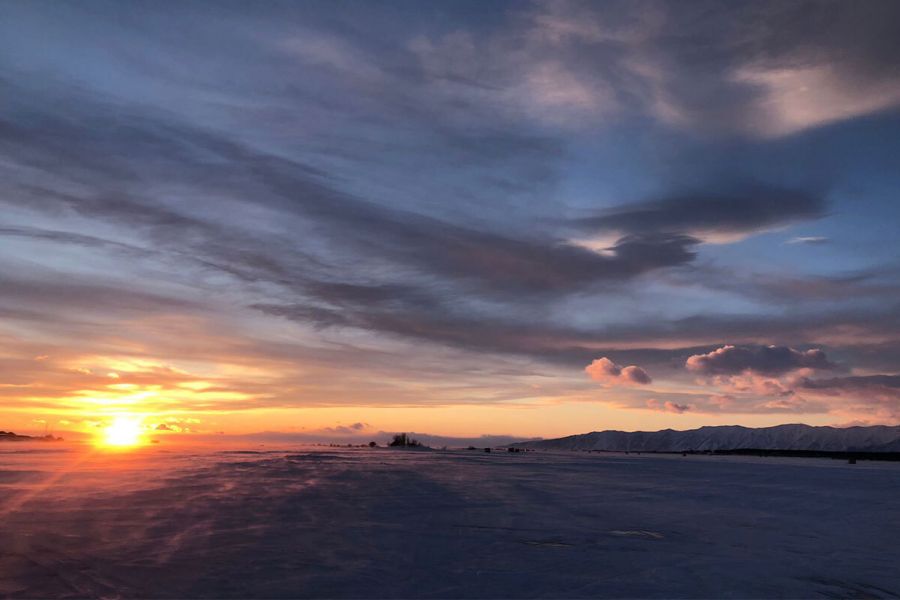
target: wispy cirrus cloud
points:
(753, 209)
(811, 240)
(572, 63)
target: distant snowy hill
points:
(9, 436)
(879, 438)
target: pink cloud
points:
(667, 406)
(756, 384)
(609, 373)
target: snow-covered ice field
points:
(462, 524)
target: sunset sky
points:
(334, 219)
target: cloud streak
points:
(755, 208)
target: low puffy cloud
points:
(352, 429)
(179, 425)
(755, 384)
(762, 360)
(763, 384)
(609, 373)
(667, 406)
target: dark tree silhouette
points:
(402, 440)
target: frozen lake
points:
(463, 524)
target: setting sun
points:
(122, 432)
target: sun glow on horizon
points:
(122, 432)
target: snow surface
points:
(462, 524)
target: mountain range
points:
(876, 438)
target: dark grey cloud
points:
(881, 282)
(751, 209)
(855, 383)
(443, 327)
(879, 356)
(69, 237)
(763, 360)
(742, 66)
(878, 395)
(355, 264)
(148, 149)
(510, 333)
(846, 325)
(63, 296)
(870, 288)
(753, 69)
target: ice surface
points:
(381, 523)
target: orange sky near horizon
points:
(182, 377)
(82, 395)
